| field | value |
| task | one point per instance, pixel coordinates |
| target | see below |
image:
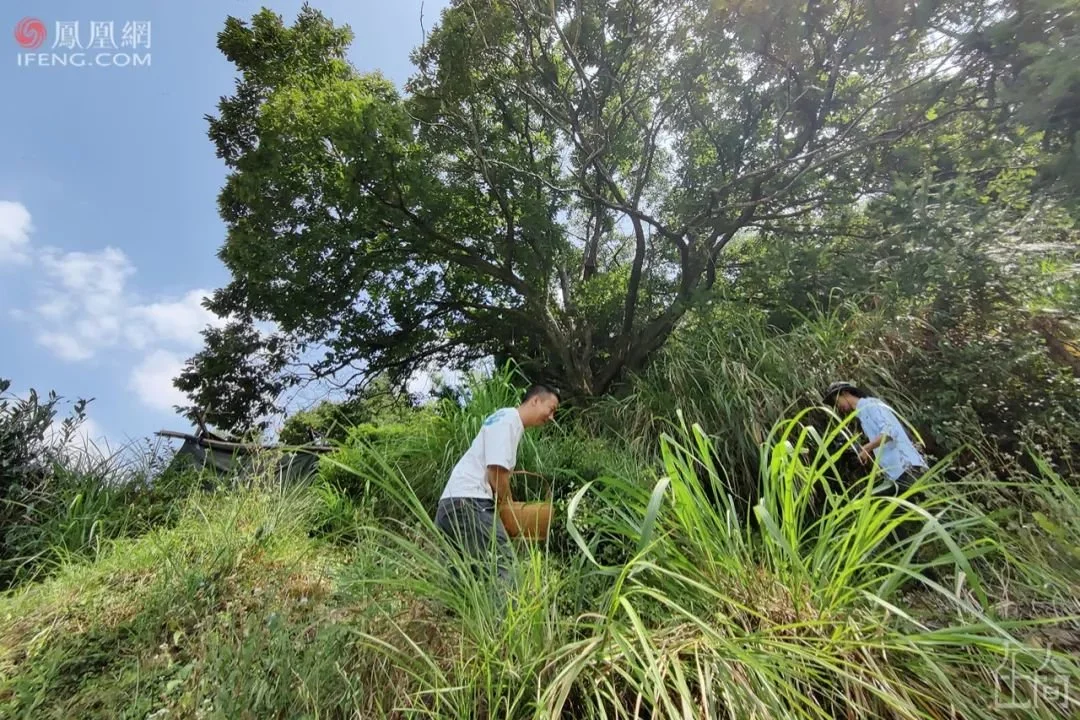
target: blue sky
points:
(108, 186)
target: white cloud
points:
(97, 275)
(15, 230)
(66, 347)
(90, 430)
(83, 299)
(179, 321)
(152, 380)
(87, 308)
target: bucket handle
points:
(550, 485)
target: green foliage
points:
(89, 507)
(725, 206)
(663, 594)
(727, 370)
(377, 404)
(773, 615)
(30, 453)
(426, 443)
(962, 389)
(950, 296)
(63, 501)
(556, 187)
(1032, 50)
(414, 446)
(135, 640)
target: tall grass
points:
(176, 619)
(810, 606)
(664, 592)
(426, 449)
(731, 372)
(799, 611)
(798, 617)
(91, 496)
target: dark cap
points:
(836, 388)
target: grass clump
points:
(815, 606)
(141, 627)
(666, 590)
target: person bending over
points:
(887, 440)
(479, 485)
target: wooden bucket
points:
(529, 520)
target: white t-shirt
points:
(495, 444)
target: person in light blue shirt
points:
(887, 440)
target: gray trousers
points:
(473, 526)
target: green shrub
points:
(815, 606)
(665, 600)
(60, 501)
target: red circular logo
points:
(30, 33)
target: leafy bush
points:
(32, 454)
(816, 605)
(985, 394)
(425, 443)
(665, 599)
(377, 404)
(60, 501)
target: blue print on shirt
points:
(493, 417)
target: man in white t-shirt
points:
(480, 482)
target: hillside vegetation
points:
(692, 217)
(711, 562)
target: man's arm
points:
(874, 425)
(873, 445)
(498, 478)
(890, 429)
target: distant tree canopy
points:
(330, 422)
(560, 179)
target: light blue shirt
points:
(897, 454)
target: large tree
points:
(557, 184)
(1030, 53)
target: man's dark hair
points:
(538, 390)
(834, 391)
